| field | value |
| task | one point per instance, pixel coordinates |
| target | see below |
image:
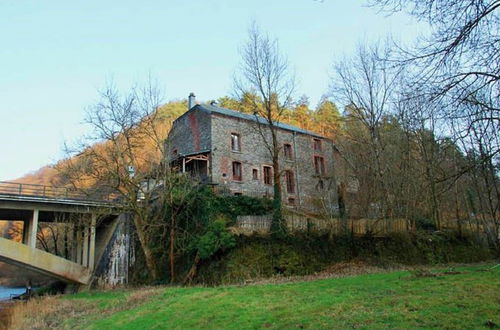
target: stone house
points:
(226, 148)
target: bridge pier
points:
(93, 221)
(84, 242)
(30, 229)
(83, 248)
(78, 245)
(85, 257)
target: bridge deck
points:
(22, 255)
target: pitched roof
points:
(231, 113)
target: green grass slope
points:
(469, 297)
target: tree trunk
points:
(277, 225)
(194, 269)
(171, 252)
(148, 254)
(341, 193)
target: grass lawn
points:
(467, 298)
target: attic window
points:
(317, 144)
(287, 149)
(235, 142)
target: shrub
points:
(216, 238)
(301, 254)
(425, 224)
(232, 206)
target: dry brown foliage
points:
(45, 312)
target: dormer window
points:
(235, 142)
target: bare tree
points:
(265, 72)
(457, 66)
(366, 86)
(480, 141)
(111, 159)
(459, 59)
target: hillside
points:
(324, 120)
(465, 297)
(48, 175)
(44, 176)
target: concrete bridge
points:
(92, 220)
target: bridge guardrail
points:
(38, 190)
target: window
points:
(317, 144)
(255, 174)
(291, 201)
(235, 142)
(320, 185)
(237, 171)
(238, 194)
(175, 152)
(319, 165)
(268, 178)
(290, 182)
(287, 148)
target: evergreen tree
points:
(327, 118)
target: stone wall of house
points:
(316, 191)
(190, 133)
(254, 155)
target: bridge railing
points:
(38, 190)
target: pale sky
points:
(55, 54)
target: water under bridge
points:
(92, 221)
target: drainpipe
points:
(333, 168)
(296, 168)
